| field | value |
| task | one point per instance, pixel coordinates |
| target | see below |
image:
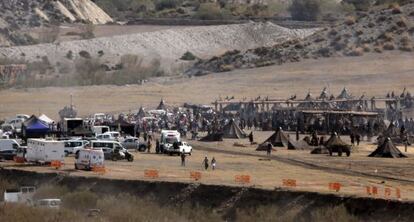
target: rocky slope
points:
(166, 45)
(370, 32)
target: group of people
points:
(206, 163)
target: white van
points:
(88, 158)
(72, 145)
(8, 144)
(108, 147)
(109, 136)
(168, 138)
(45, 151)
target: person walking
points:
(149, 146)
(183, 159)
(205, 162)
(357, 138)
(269, 148)
(251, 138)
(213, 163)
(157, 146)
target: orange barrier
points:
(242, 179)
(398, 193)
(152, 174)
(99, 169)
(289, 182)
(195, 176)
(56, 164)
(18, 159)
(372, 190)
(335, 186)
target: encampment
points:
(277, 139)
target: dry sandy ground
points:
(374, 74)
(264, 173)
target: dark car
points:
(7, 154)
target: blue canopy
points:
(35, 126)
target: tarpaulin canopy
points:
(35, 127)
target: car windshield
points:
(171, 139)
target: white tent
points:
(46, 119)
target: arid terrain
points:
(374, 75)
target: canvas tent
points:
(233, 131)
(391, 131)
(277, 139)
(298, 145)
(335, 142)
(344, 94)
(46, 119)
(387, 149)
(141, 112)
(34, 128)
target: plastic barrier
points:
(151, 174)
(56, 164)
(99, 169)
(289, 183)
(242, 179)
(18, 159)
(335, 186)
(195, 176)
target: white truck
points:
(8, 144)
(170, 143)
(87, 159)
(72, 145)
(24, 195)
(100, 130)
(44, 151)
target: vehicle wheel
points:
(170, 153)
(348, 153)
(130, 159)
(330, 152)
(66, 153)
(189, 153)
(339, 152)
(114, 158)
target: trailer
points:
(45, 151)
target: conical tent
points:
(232, 130)
(309, 97)
(162, 105)
(46, 119)
(344, 94)
(298, 145)
(277, 139)
(387, 149)
(391, 131)
(324, 94)
(141, 112)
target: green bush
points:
(188, 56)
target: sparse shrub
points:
(350, 20)
(85, 54)
(366, 47)
(101, 53)
(166, 4)
(188, 56)
(226, 68)
(378, 49)
(69, 55)
(402, 22)
(395, 8)
(211, 11)
(389, 46)
(386, 36)
(80, 200)
(356, 52)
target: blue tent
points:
(34, 127)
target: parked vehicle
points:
(109, 136)
(88, 158)
(24, 195)
(44, 151)
(7, 154)
(49, 203)
(8, 148)
(167, 139)
(72, 145)
(113, 150)
(134, 143)
(97, 130)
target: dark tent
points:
(213, 137)
(141, 112)
(344, 94)
(123, 126)
(233, 131)
(277, 139)
(387, 149)
(162, 105)
(391, 131)
(34, 128)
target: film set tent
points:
(387, 149)
(233, 131)
(35, 128)
(212, 137)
